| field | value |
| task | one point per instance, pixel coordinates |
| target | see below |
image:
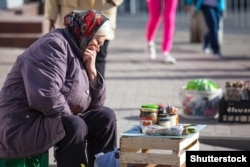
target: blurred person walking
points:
(167, 10)
(212, 11)
(55, 9)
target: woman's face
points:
(96, 42)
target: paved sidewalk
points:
(133, 80)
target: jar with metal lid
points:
(149, 113)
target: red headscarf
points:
(83, 25)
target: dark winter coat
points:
(47, 80)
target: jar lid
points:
(150, 105)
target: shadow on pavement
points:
(238, 143)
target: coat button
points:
(27, 116)
(87, 92)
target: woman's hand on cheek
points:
(89, 59)
(92, 47)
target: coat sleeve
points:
(98, 93)
(51, 9)
(44, 71)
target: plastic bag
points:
(200, 98)
(158, 130)
(202, 85)
(109, 159)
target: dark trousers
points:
(86, 136)
(101, 58)
(212, 19)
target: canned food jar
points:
(164, 122)
(164, 115)
(148, 113)
(173, 119)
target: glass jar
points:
(173, 119)
(160, 109)
(164, 122)
(147, 113)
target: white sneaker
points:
(169, 59)
(207, 51)
(151, 51)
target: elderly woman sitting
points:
(54, 96)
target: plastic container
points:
(200, 104)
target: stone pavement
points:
(133, 80)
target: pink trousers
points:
(167, 10)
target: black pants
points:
(86, 135)
(212, 18)
(101, 58)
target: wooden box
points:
(160, 151)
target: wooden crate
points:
(149, 151)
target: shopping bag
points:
(109, 159)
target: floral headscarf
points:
(83, 25)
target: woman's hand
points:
(89, 59)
